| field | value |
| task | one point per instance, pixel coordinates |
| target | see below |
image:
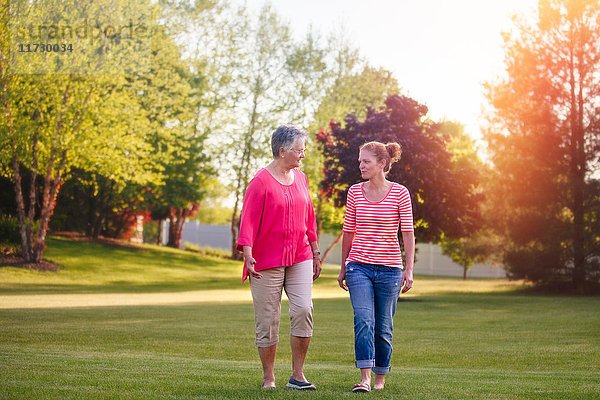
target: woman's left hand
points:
(316, 267)
(407, 280)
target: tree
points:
(211, 210)
(172, 93)
(273, 79)
(349, 93)
(57, 115)
(182, 129)
(444, 200)
(481, 244)
(355, 94)
(259, 80)
(544, 141)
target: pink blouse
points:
(278, 221)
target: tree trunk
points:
(235, 229)
(52, 183)
(235, 223)
(331, 246)
(32, 192)
(46, 211)
(242, 181)
(465, 269)
(177, 218)
(159, 235)
(318, 216)
(100, 209)
(25, 244)
(176, 232)
(577, 173)
(172, 229)
(578, 215)
(92, 223)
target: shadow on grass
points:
(87, 267)
(451, 346)
(409, 300)
(121, 287)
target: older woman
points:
(279, 241)
(371, 260)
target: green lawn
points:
(161, 323)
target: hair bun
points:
(394, 150)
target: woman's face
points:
(368, 165)
(294, 156)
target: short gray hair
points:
(285, 136)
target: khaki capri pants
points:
(266, 295)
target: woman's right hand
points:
(342, 279)
(250, 263)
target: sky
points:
(440, 51)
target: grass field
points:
(162, 323)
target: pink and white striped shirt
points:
(375, 225)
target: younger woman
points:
(371, 259)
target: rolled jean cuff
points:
(381, 370)
(364, 363)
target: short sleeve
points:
(350, 216)
(405, 211)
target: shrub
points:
(206, 250)
(10, 240)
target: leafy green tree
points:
(355, 94)
(273, 79)
(544, 142)
(179, 101)
(346, 60)
(179, 122)
(211, 211)
(308, 75)
(57, 115)
(174, 99)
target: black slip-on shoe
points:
(294, 384)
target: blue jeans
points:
(374, 291)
